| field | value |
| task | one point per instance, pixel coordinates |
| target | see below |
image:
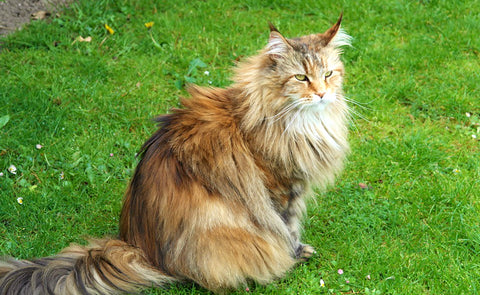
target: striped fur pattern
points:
(219, 193)
(104, 267)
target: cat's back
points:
(204, 118)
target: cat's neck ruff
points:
(314, 125)
(308, 144)
(317, 142)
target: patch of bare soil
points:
(15, 13)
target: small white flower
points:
(322, 283)
(20, 200)
(38, 146)
(474, 136)
(456, 171)
(210, 82)
(468, 114)
(207, 73)
(62, 175)
(1, 174)
(12, 169)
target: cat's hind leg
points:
(226, 258)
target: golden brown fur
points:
(220, 189)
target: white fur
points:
(341, 39)
(276, 45)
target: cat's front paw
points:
(304, 252)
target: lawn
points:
(403, 218)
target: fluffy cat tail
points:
(103, 267)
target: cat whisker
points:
(284, 112)
(353, 116)
(352, 121)
(356, 103)
(353, 112)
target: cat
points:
(220, 189)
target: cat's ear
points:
(335, 36)
(278, 45)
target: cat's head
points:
(307, 70)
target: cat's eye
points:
(302, 78)
(328, 74)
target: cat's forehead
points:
(312, 53)
(308, 53)
(308, 43)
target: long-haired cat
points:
(220, 189)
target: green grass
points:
(414, 68)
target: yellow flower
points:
(109, 29)
(149, 25)
(20, 200)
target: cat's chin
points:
(318, 106)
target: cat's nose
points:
(321, 94)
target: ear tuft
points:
(277, 46)
(272, 27)
(336, 36)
